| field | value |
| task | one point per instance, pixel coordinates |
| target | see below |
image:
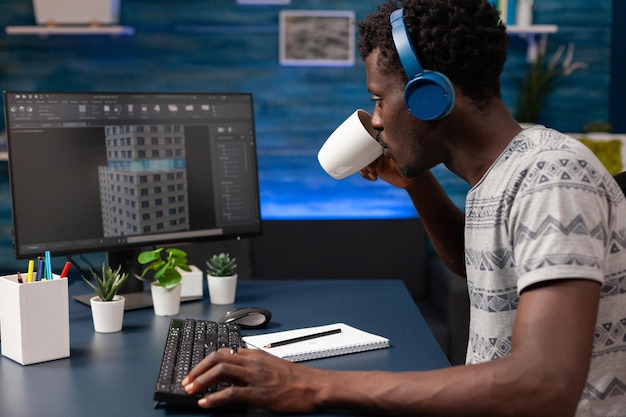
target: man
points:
(542, 242)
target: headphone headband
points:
(404, 46)
(429, 95)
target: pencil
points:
(302, 338)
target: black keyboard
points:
(188, 342)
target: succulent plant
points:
(107, 283)
(222, 265)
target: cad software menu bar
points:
(65, 109)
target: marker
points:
(40, 272)
(48, 265)
(66, 268)
(31, 268)
(302, 338)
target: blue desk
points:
(114, 374)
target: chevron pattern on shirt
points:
(615, 387)
(551, 225)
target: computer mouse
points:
(248, 317)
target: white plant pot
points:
(108, 316)
(222, 289)
(165, 302)
(524, 13)
(191, 282)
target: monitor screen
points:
(97, 172)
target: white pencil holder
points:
(35, 319)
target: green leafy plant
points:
(541, 78)
(222, 265)
(165, 270)
(108, 283)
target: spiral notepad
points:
(348, 340)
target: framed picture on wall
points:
(317, 38)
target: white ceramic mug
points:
(351, 147)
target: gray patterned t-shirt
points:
(547, 210)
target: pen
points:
(302, 338)
(66, 268)
(19, 278)
(31, 268)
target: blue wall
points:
(217, 45)
(618, 68)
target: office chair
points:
(621, 181)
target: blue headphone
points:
(428, 94)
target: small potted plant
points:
(222, 278)
(107, 308)
(167, 278)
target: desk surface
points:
(114, 374)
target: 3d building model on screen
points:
(143, 187)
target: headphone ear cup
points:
(429, 96)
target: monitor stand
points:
(134, 300)
(133, 290)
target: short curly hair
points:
(463, 39)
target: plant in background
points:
(608, 151)
(108, 283)
(222, 265)
(541, 78)
(165, 270)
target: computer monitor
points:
(113, 172)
